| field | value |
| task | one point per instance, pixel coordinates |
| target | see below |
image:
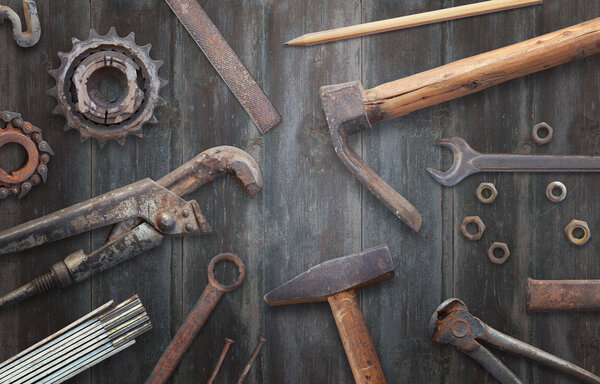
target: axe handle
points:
(563, 295)
(355, 336)
(476, 73)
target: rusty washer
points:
(107, 87)
(552, 187)
(472, 220)
(575, 225)
(486, 189)
(503, 248)
(35, 169)
(543, 127)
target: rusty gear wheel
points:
(116, 111)
(35, 169)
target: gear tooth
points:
(57, 110)
(153, 120)
(131, 37)
(147, 48)
(66, 127)
(158, 64)
(163, 82)
(139, 134)
(54, 73)
(121, 141)
(53, 92)
(161, 101)
(75, 41)
(112, 32)
(93, 34)
(101, 143)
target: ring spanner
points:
(468, 161)
(452, 323)
(195, 320)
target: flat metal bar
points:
(225, 61)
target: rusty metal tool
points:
(215, 371)
(196, 319)
(468, 161)
(255, 352)
(452, 323)
(32, 35)
(563, 295)
(228, 65)
(335, 281)
(350, 109)
(143, 213)
(79, 346)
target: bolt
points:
(189, 227)
(165, 221)
(186, 213)
(460, 329)
(228, 343)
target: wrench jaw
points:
(462, 164)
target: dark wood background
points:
(311, 209)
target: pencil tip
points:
(296, 41)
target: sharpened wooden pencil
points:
(411, 21)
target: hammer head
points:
(346, 115)
(349, 272)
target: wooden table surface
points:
(311, 208)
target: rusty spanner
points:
(452, 323)
(468, 161)
(195, 320)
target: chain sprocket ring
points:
(78, 82)
(35, 169)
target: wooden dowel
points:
(411, 21)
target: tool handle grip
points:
(563, 295)
(185, 335)
(355, 336)
(476, 73)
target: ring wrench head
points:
(226, 257)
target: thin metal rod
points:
(253, 356)
(228, 343)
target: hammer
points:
(335, 281)
(350, 109)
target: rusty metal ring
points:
(472, 220)
(34, 170)
(505, 252)
(226, 257)
(535, 133)
(550, 192)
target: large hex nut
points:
(502, 247)
(472, 220)
(488, 189)
(543, 127)
(575, 225)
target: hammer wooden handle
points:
(563, 295)
(476, 73)
(355, 336)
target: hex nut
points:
(490, 188)
(472, 220)
(550, 192)
(572, 227)
(535, 133)
(505, 252)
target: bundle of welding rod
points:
(86, 342)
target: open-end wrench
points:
(195, 320)
(468, 161)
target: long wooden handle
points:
(355, 336)
(476, 73)
(563, 295)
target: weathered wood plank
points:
(149, 275)
(312, 202)
(24, 81)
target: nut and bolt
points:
(578, 232)
(472, 220)
(486, 193)
(546, 131)
(500, 247)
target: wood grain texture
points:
(311, 209)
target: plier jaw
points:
(452, 323)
